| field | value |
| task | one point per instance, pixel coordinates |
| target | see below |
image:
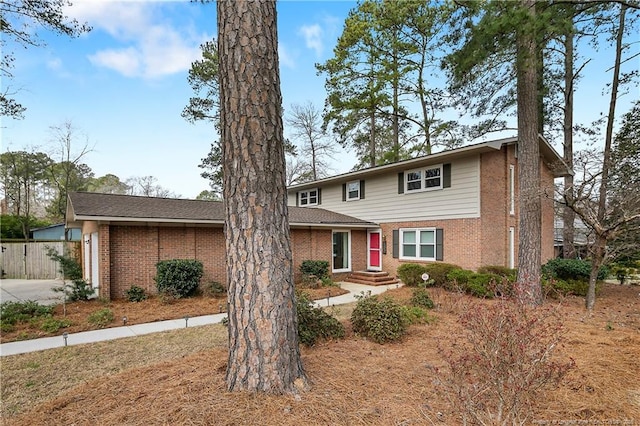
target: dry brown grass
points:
(178, 377)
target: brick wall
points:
(129, 253)
(462, 242)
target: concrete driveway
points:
(36, 290)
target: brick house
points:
(458, 206)
(123, 237)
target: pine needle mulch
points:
(354, 381)
(150, 310)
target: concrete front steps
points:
(372, 278)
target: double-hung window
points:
(308, 197)
(353, 190)
(425, 179)
(418, 244)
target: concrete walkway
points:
(41, 291)
(15, 348)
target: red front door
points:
(374, 253)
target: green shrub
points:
(136, 294)
(416, 314)
(438, 272)
(16, 312)
(554, 287)
(314, 323)
(216, 288)
(51, 325)
(78, 290)
(457, 279)
(181, 277)
(421, 298)
(576, 269)
(101, 318)
(318, 268)
(510, 274)
(482, 285)
(411, 273)
(68, 266)
(381, 320)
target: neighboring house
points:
(54, 233)
(458, 206)
(125, 236)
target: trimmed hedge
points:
(381, 320)
(179, 277)
(319, 268)
(567, 269)
(411, 273)
(438, 272)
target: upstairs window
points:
(426, 179)
(308, 197)
(353, 190)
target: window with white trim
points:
(308, 197)
(418, 243)
(426, 179)
(353, 190)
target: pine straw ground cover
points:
(150, 310)
(178, 377)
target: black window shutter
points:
(362, 190)
(396, 244)
(319, 196)
(439, 244)
(401, 183)
(446, 175)
(297, 199)
(344, 192)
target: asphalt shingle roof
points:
(87, 205)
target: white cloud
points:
(285, 57)
(143, 42)
(124, 61)
(54, 64)
(313, 37)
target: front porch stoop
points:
(372, 278)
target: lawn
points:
(177, 377)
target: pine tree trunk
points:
(263, 340)
(568, 215)
(528, 287)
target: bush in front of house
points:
(381, 320)
(503, 271)
(421, 298)
(12, 313)
(101, 318)
(179, 277)
(571, 269)
(411, 273)
(314, 323)
(438, 272)
(556, 287)
(136, 294)
(318, 268)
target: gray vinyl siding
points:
(383, 204)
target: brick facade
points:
(128, 254)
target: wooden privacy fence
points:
(30, 260)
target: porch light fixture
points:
(64, 336)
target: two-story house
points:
(458, 206)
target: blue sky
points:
(124, 84)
